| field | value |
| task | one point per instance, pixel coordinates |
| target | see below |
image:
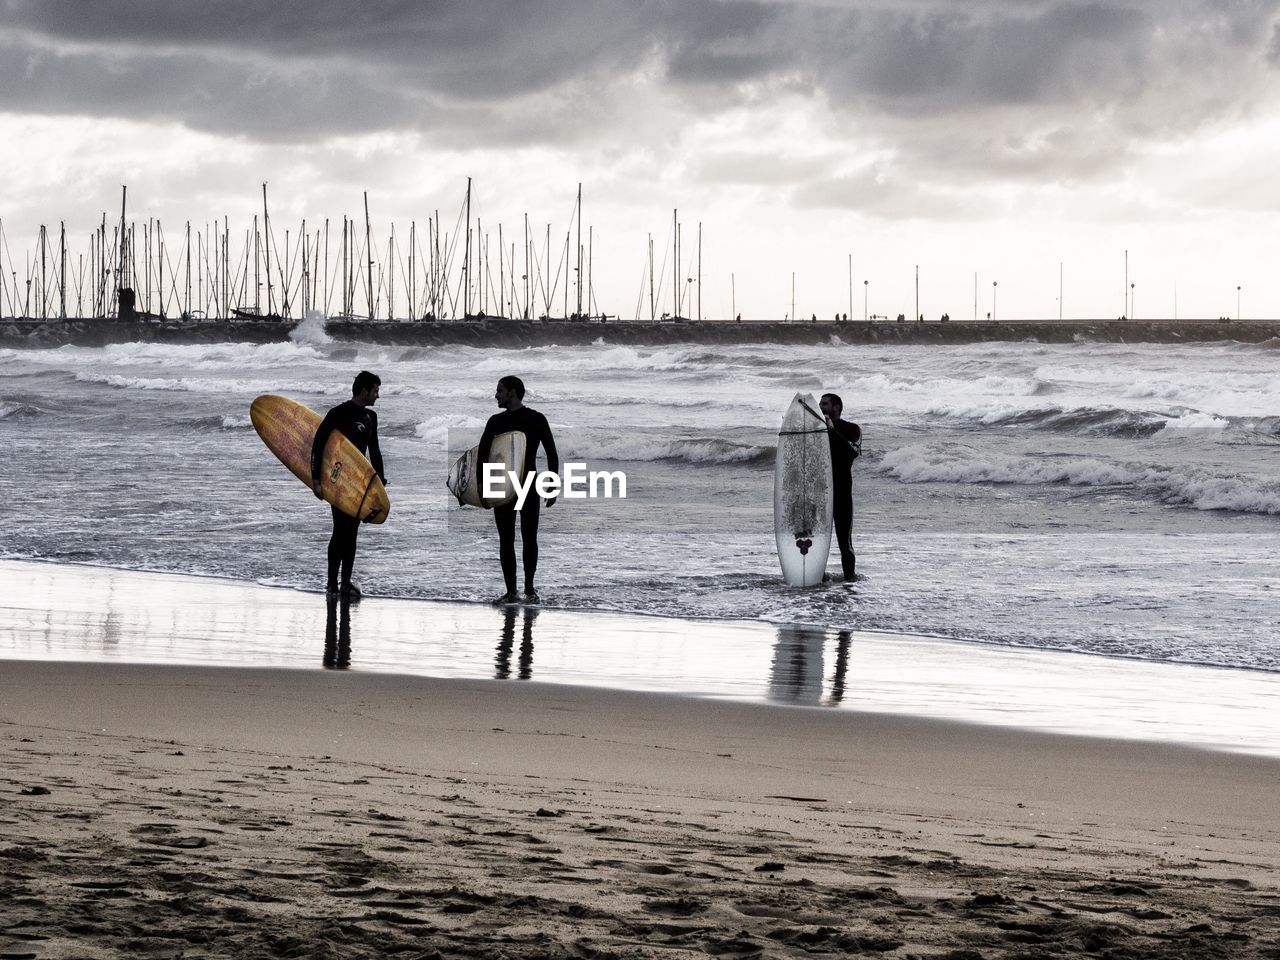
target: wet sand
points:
(85, 613)
(165, 810)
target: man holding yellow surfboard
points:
(356, 421)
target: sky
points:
(998, 146)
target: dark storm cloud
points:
(485, 71)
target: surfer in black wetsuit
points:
(356, 421)
(846, 444)
(516, 416)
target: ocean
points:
(1102, 498)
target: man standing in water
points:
(516, 416)
(846, 444)
(356, 421)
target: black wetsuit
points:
(359, 425)
(844, 437)
(536, 432)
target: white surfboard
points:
(802, 494)
(465, 480)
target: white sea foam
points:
(1196, 421)
(697, 450)
(210, 385)
(436, 430)
(311, 329)
(559, 360)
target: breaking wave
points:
(915, 464)
(1092, 421)
(215, 386)
(436, 429)
(8, 410)
(228, 421)
(699, 450)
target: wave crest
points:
(916, 464)
(694, 450)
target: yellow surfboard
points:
(347, 479)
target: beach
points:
(164, 811)
(175, 809)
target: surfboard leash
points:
(856, 448)
(365, 496)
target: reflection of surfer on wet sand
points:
(507, 642)
(337, 634)
(795, 676)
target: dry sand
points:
(153, 811)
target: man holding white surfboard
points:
(356, 421)
(516, 417)
(846, 445)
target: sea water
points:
(1094, 497)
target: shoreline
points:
(88, 613)
(520, 333)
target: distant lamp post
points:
(993, 299)
(866, 286)
(1237, 303)
(1133, 302)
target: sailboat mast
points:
(226, 266)
(368, 248)
(124, 192)
(266, 246)
(44, 278)
(62, 270)
(466, 264)
(306, 278)
(257, 276)
(159, 235)
(579, 249)
(675, 271)
(652, 303)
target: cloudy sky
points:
(991, 138)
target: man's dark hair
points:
(514, 383)
(364, 381)
(835, 398)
